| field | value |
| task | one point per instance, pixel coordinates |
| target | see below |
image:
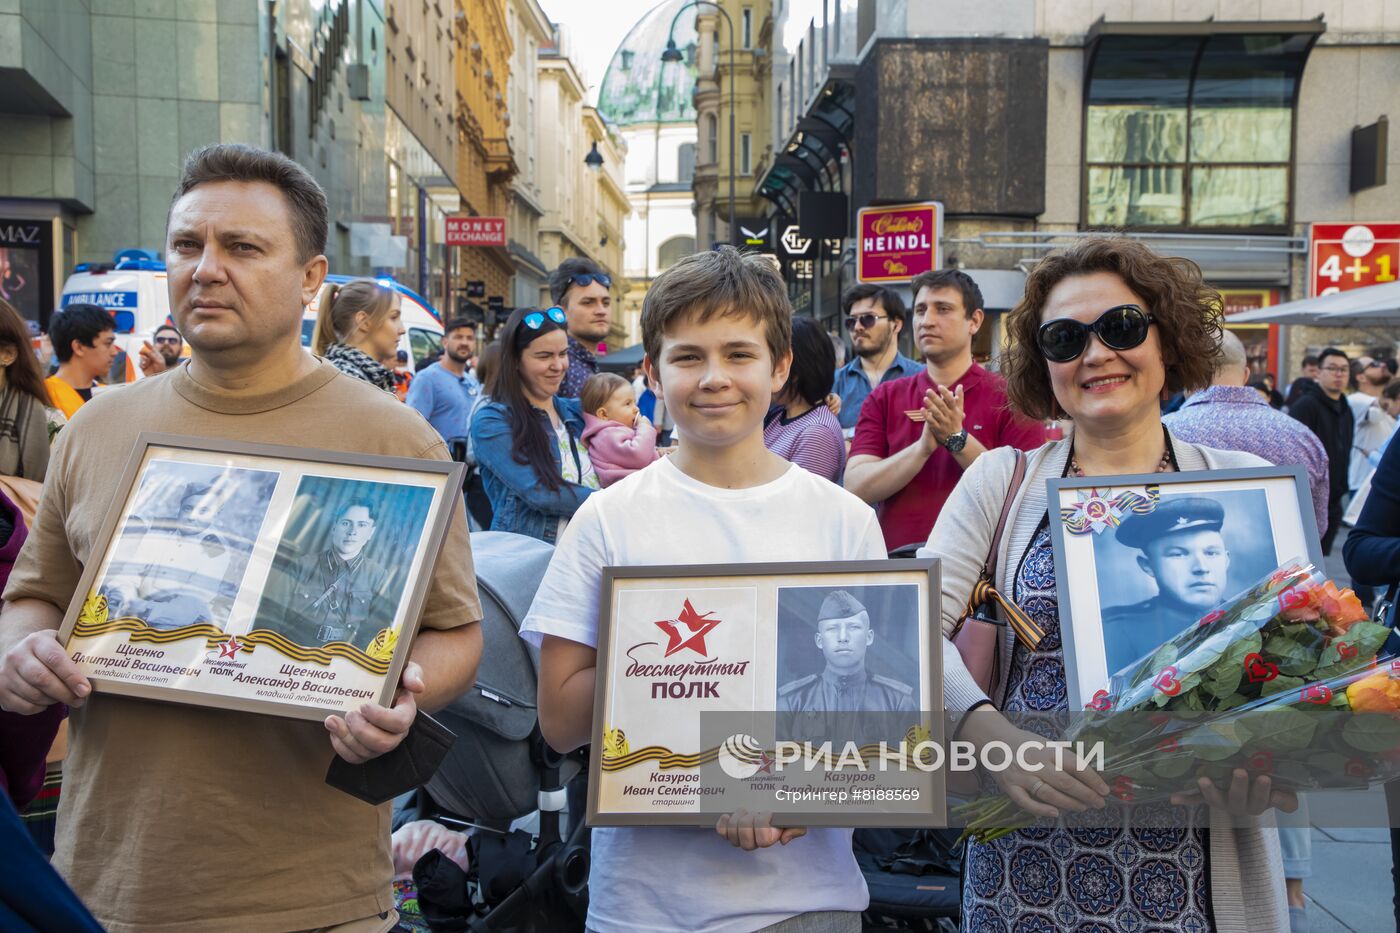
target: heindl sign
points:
(897, 243)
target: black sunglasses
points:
(866, 320)
(1120, 328)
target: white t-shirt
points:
(683, 878)
(581, 472)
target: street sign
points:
(1346, 256)
(476, 289)
(794, 243)
(894, 244)
(465, 230)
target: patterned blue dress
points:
(1087, 880)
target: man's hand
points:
(151, 361)
(833, 403)
(36, 673)
(943, 416)
(372, 730)
(749, 831)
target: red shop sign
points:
(476, 231)
(900, 242)
(1346, 256)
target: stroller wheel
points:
(571, 869)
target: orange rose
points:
(1378, 693)
(1341, 608)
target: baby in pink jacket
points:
(619, 440)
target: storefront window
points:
(1191, 130)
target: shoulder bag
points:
(977, 635)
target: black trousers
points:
(1334, 523)
(477, 504)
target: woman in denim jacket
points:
(526, 439)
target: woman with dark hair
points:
(526, 438)
(358, 327)
(800, 428)
(1105, 330)
(24, 402)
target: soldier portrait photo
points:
(1161, 571)
(183, 551)
(848, 649)
(343, 561)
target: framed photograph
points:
(1140, 558)
(262, 578)
(813, 691)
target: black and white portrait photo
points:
(182, 552)
(343, 560)
(1139, 559)
(848, 649)
(1161, 571)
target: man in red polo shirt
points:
(907, 468)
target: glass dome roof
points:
(638, 87)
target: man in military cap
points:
(843, 636)
(337, 594)
(1184, 552)
(174, 572)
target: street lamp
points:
(673, 54)
(594, 159)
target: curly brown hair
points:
(1186, 310)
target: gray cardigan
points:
(1245, 862)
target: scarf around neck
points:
(358, 365)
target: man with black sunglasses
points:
(875, 318)
(582, 289)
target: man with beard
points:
(875, 319)
(444, 392)
(580, 288)
(169, 346)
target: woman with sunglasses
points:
(526, 438)
(1105, 330)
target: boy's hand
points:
(749, 831)
(372, 730)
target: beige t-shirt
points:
(185, 818)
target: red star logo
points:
(765, 764)
(228, 649)
(688, 631)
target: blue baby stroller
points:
(501, 781)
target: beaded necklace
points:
(1165, 465)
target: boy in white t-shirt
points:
(717, 331)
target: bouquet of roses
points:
(1243, 688)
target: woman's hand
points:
(1243, 797)
(412, 841)
(1039, 788)
(749, 831)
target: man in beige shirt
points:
(181, 818)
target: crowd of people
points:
(742, 430)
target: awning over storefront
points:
(1372, 306)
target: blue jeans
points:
(1295, 841)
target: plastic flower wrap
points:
(1245, 687)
